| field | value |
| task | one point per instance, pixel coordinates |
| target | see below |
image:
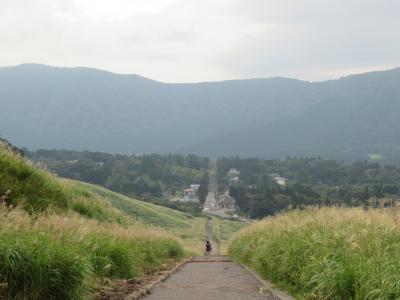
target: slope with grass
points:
(223, 231)
(60, 239)
(147, 212)
(190, 230)
(329, 253)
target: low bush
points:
(331, 253)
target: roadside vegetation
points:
(60, 239)
(66, 256)
(223, 231)
(327, 253)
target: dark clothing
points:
(208, 247)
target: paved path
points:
(209, 278)
(211, 201)
(209, 237)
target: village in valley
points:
(224, 201)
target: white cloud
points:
(191, 40)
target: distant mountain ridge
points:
(358, 116)
(88, 109)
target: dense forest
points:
(151, 177)
(309, 181)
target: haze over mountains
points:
(88, 109)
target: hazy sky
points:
(201, 40)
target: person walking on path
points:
(208, 248)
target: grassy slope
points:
(329, 253)
(190, 230)
(147, 212)
(223, 231)
(58, 238)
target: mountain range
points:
(354, 117)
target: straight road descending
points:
(210, 204)
(211, 277)
(211, 201)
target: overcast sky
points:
(204, 40)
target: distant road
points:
(211, 201)
(210, 204)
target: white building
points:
(280, 181)
(195, 187)
(234, 179)
(233, 173)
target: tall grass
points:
(223, 231)
(65, 256)
(329, 253)
(33, 267)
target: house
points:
(226, 202)
(234, 179)
(233, 173)
(195, 187)
(278, 179)
(281, 181)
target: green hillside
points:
(148, 213)
(36, 190)
(60, 239)
(153, 178)
(189, 229)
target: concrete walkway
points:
(211, 277)
(207, 278)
